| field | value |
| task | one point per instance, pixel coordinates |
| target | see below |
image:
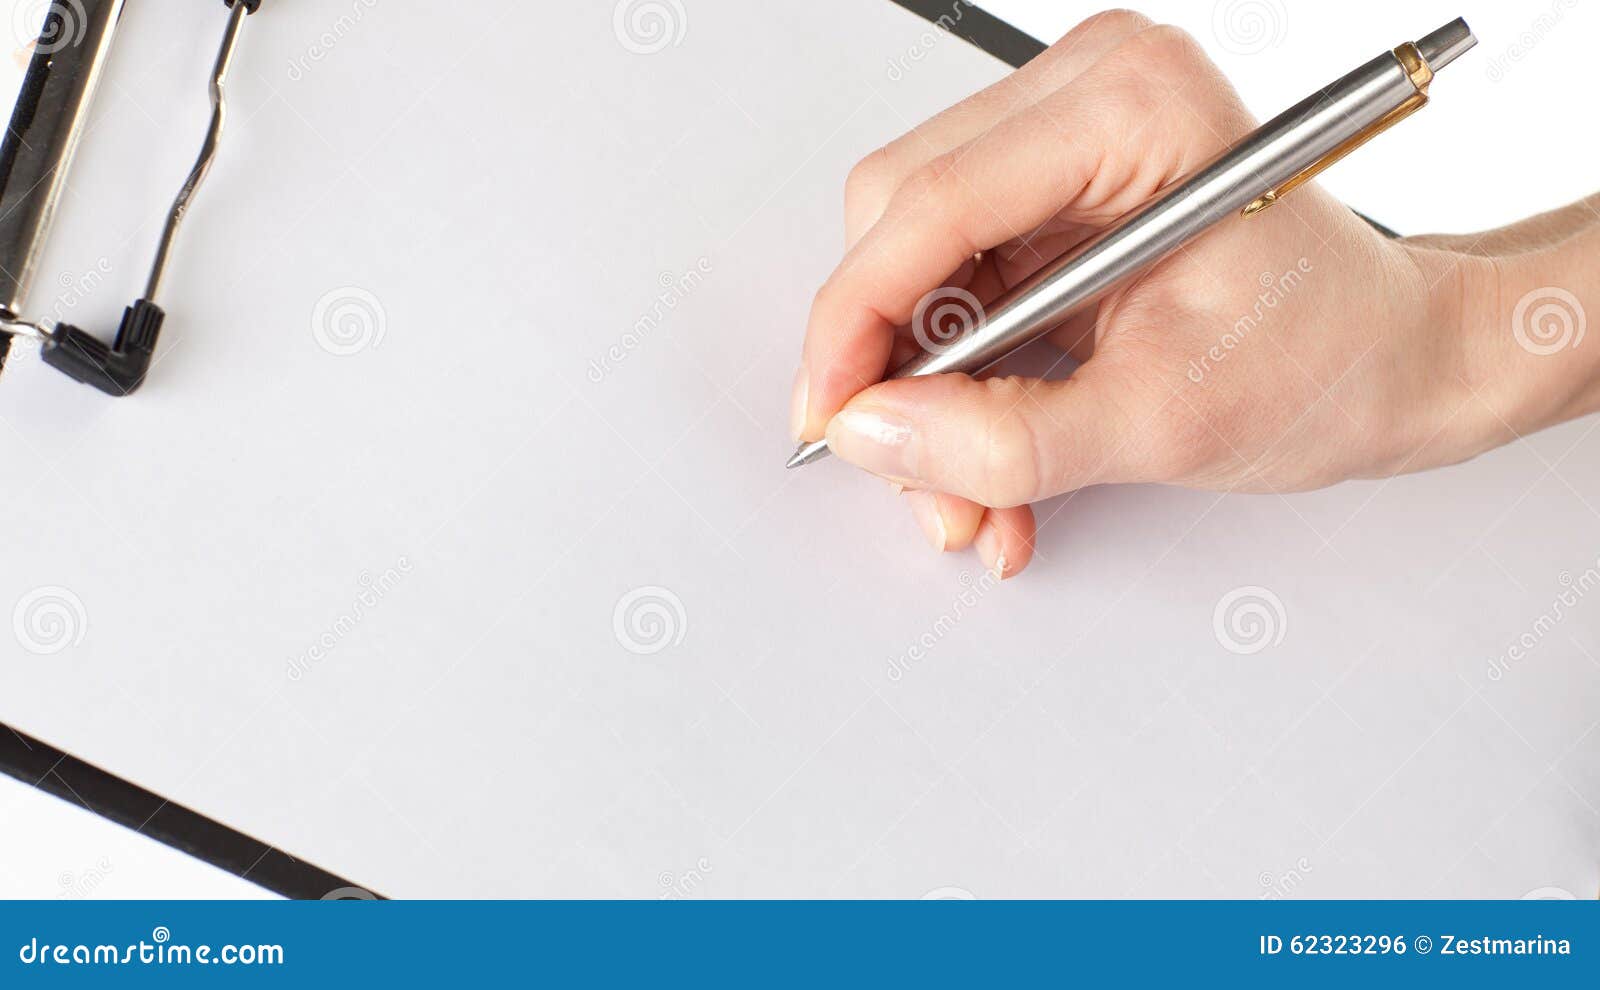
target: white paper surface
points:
(60, 850)
(558, 621)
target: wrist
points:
(1536, 325)
(1519, 318)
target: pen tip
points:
(807, 453)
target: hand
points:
(1282, 352)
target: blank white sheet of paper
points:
(449, 545)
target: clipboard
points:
(479, 673)
(46, 126)
(48, 122)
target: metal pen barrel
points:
(1272, 155)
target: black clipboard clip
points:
(51, 111)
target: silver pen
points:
(1285, 152)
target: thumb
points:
(997, 441)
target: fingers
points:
(1003, 537)
(1005, 540)
(948, 521)
(999, 442)
(1015, 177)
(873, 181)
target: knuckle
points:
(1118, 20)
(934, 185)
(1166, 45)
(1155, 63)
(870, 181)
(826, 300)
(1010, 462)
(1181, 445)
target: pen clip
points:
(1417, 69)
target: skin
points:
(1374, 356)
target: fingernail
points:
(797, 404)
(926, 508)
(874, 442)
(988, 543)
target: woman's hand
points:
(1286, 351)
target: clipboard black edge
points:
(979, 27)
(48, 769)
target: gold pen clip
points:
(1417, 68)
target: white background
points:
(1507, 110)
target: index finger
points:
(1035, 166)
